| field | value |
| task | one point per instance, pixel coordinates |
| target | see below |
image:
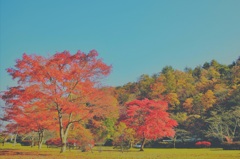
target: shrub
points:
(54, 142)
(109, 142)
(231, 146)
(203, 144)
(72, 143)
(28, 143)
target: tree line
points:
(205, 100)
(61, 97)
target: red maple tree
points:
(149, 119)
(65, 86)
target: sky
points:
(134, 36)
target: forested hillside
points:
(205, 100)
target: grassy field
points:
(26, 152)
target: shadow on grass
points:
(216, 149)
(13, 152)
(113, 149)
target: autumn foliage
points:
(203, 144)
(62, 89)
(54, 142)
(149, 119)
(63, 93)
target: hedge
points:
(203, 144)
(231, 146)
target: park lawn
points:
(26, 152)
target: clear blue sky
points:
(135, 36)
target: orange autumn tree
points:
(14, 113)
(23, 111)
(149, 119)
(66, 85)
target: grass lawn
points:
(26, 152)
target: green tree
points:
(168, 78)
(144, 86)
(123, 136)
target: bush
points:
(109, 142)
(231, 146)
(203, 144)
(28, 143)
(72, 143)
(56, 142)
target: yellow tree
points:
(172, 99)
(157, 90)
(208, 99)
(188, 104)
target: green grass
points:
(26, 152)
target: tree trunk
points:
(40, 139)
(63, 133)
(122, 147)
(91, 148)
(4, 140)
(64, 146)
(61, 129)
(143, 143)
(63, 138)
(229, 139)
(15, 140)
(130, 144)
(32, 144)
